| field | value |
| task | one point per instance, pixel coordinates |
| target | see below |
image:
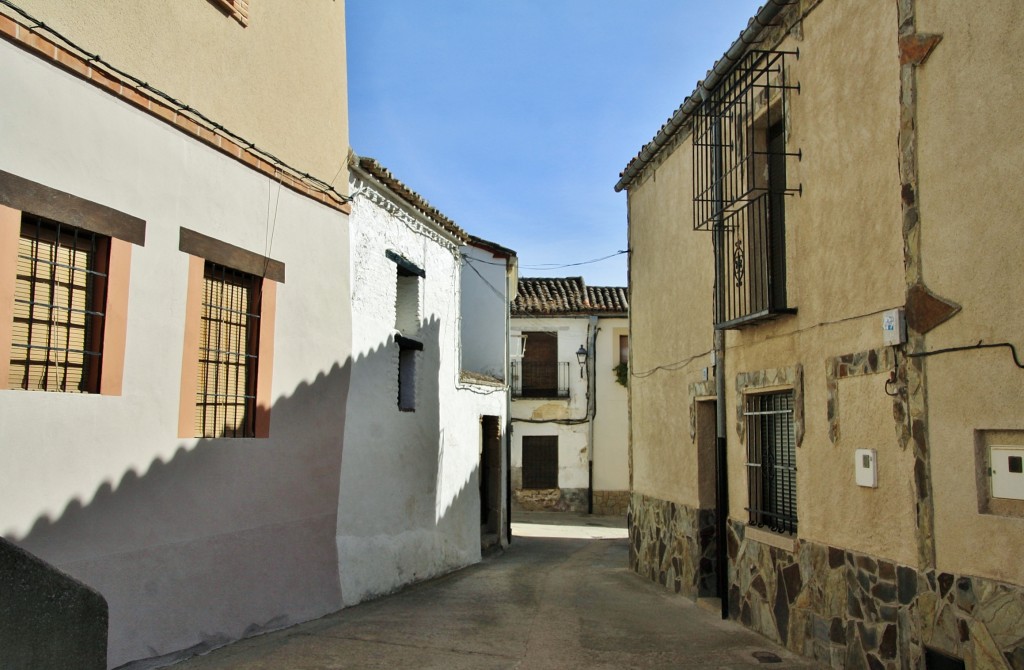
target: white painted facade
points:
(193, 542)
(588, 432)
(488, 286)
(409, 507)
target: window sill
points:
(777, 540)
(755, 318)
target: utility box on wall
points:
(1007, 471)
(866, 468)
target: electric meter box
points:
(894, 327)
(866, 468)
(1007, 469)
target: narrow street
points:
(560, 597)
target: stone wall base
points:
(611, 503)
(843, 608)
(673, 545)
(551, 500)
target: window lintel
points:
(28, 196)
(228, 255)
(405, 266)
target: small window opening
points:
(407, 293)
(407, 350)
(540, 461)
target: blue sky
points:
(515, 117)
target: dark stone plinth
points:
(48, 620)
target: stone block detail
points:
(851, 610)
(672, 545)
(611, 503)
(551, 500)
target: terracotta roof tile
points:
(567, 296)
(385, 177)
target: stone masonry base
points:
(551, 500)
(673, 545)
(843, 608)
(611, 503)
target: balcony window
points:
(539, 374)
(740, 154)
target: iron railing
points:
(539, 380)
(771, 461)
(739, 186)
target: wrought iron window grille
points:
(228, 353)
(771, 461)
(59, 303)
(739, 185)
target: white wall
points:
(611, 422)
(192, 542)
(409, 506)
(573, 464)
(484, 311)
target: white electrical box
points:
(1007, 468)
(894, 327)
(866, 468)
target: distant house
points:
(422, 483)
(570, 346)
(825, 262)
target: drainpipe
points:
(591, 407)
(721, 476)
(721, 445)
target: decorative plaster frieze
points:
(363, 189)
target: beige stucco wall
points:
(611, 437)
(844, 267)
(279, 82)
(671, 278)
(971, 244)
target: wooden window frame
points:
(20, 196)
(268, 274)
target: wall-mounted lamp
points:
(581, 356)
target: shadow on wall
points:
(408, 495)
(229, 538)
(233, 537)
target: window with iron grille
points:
(739, 168)
(59, 303)
(228, 353)
(540, 461)
(771, 461)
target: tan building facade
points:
(850, 172)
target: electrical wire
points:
(554, 266)
(969, 347)
(311, 181)
(669, 367)
(495, 291)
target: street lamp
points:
(581, 356)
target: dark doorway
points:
(490, 475)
